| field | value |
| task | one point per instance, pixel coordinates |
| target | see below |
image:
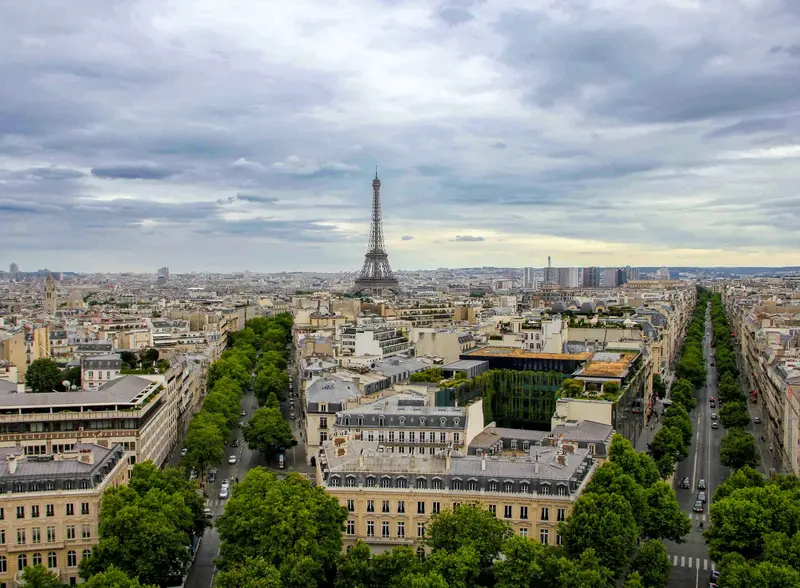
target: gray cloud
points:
(134, 172)
(468, 238)
(406, 238)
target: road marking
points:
(705, 564)
(683, 559)
(675, 560)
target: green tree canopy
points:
(267, 431)
(39, 576)
(113, 577)
(664, 519)
(43, 375)
(652, 563)
(734, 415)
(738, 449)
(271, 380)
(293, 526)
(249, 573)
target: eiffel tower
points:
(376, 276)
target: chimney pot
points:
(483, 464)
(536, 467)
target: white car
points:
(232, 459)
(223, 492)
(225, 482)
(183, 452)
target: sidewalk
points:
(654, 424)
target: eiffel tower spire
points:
(376, 275)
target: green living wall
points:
(511, 398)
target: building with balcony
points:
(374, 340)
(390, 497)
(96, 370)
(130, 410)
(50, 506)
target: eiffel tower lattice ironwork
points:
(376, 275)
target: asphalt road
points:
(691, 566)
(203, 570)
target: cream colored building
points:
(390, 497)
(50, 506)
(12, 350)
(50, 303)
(445, 344)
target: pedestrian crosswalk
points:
(698, 516)
(696, 563)
(215, 502)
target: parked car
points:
(291, 415)
(685, 484)
(701, 496)
(232, 459)
(223, 492)
(714, 425)
(698, 506)
(757, 420)
(712, 399)
(225, 482)
(701, 484)
(243, 413)
(713, 416)
(212, 476)
(183, 452)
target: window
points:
(524, 487)
(51, 510)
(420, 529)
(35, 511)
(51, 534)
(420, 508)
(37, 559)
(52, 560)
(391, 436)
(402, 483)
(436, 507)
(402, 433)
(86, 532)
(523, 512)
(385, 529)
(3, 564)
(443, 421)
(386, 482)
(401, 530)
(422, 436)
(545, 489)
(562, 491)
(351, 527)
(442, 437)
(22, 561)
(20, 512)
(456, 421)
(421, 483)
(514, 444)
(436, 484)
(86, 553)
(591, 448)
(2, 536)
(385, 506)
(72, 559)
(544, 536)
(561, 514)
(545, 514)
(456, 437)
(421, 554)
(493, 487)
(70, 531)
(70, 509)
(370, 506)
(523, 532)
(508, 487)
(20, 536)
(559, 539)
(493, 509)
(323, 436)
(370, 436)
(472, 484)
(323, 422)
(2, 514)
(351, 506)
(507, 511)
(455, 506)
(370, 528)
(456, 484)
(84, 508)
(350, 481)
(526, 445)
(370, 482)
(36, 535)
(401, 506)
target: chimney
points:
(21, 388)
(536, 467)
(361, 460)
(447, 460)
(483, 463)
(12, 463)
(86, 456)
(357, 382)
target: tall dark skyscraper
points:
(376, 275)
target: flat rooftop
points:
(123, 390)
(462, 364)
(608, 364)
(517, 352)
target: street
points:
(690, 563)
(201, 574)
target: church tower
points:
(50, 295)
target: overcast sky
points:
(244, 134)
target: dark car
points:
(236, 443)
(701, 484)
(698, 506)
(685, 483)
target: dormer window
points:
(402, 420)
(443, 421)
(360, 421)
(456, 421)
(493, 486)
(323, 408)
(422, 421)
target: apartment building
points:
(130, 410)
(96, 370)
(390, 497)
(50, 506)
(375, 339)
(12, 350)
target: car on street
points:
(701, 496)
(232, 459)
(757, 420)
(713, 416)
(207, 512)
(183, 452)
(225, 482)
(243, 413)
(291, 415)
(714, 425)
(712, 364)
(685, 483)
(712, 399)
(235, 443)
(212, 476)
(241, 424)
(223, 492)
(698, 506)
(193, 475)
(701, 484)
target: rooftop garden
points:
(574, 388)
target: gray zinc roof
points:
(120, 391)
(48, 469)
(333, 390)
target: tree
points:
(389, 567)
(682, 392)
(432, 375)
(129, 358)
(113, 577)
(601, 519)
(272, 401)
(274, 358)
(652, 563)
(267, 431)
(460, 569)
(150, 356)
(668, 442)
(634, 580)
(659, 387)
(250, 573)
(734, 414)
(468, 526)
(677, 417)
(291, 525)
(204, 445)
(745, 477)
(738, 572)
(638, 465)
(43, 375)
(271, 380)
(39, 576)
(664, 518)
(611, 479)
(72, 375)
(738, 449)
(355, 569)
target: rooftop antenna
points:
(376, 172)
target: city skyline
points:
(212, 139)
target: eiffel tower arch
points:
(376, 275)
